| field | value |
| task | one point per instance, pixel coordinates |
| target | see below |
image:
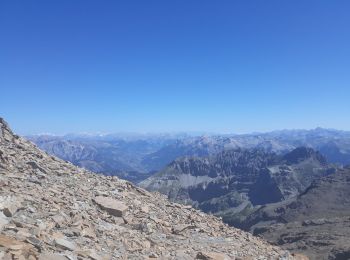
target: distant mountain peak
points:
(303, 153)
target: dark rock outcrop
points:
(316, 222)
(233, 183)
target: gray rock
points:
(51, 256)
(65, 244)
(3, 220)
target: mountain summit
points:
(51, 210)
(303, 153)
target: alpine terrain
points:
(234, 182)
(137, 157)
(52, 210)
(316, 222)
(297, 200)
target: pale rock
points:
(145, 209)
(59, 219)
(93, 255)
(112, 206)
(88, 232)
(10, 210)
(65, 244)
(212, 256)
(153, 255)
(9, 205)
(3, 220)
(51, 256)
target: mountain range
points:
(137, 157)
(296, 200)
(233, 182)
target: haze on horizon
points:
(180, 66)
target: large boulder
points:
(112, 206)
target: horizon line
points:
(189, 133)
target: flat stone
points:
(10, 210)
(65, 244)
(34, 165)
(9, 205)
(34, 241)
(145, 209)
(3, 220)
(11, 243)
(211, 256)
(93, 255)
(51, 256)
(112, 206)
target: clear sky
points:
(181, 65)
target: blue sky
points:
(167, 66)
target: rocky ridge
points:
(52, 210)
(316, 222)
(234, 183)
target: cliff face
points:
(296, 201)
(50, 209)
(235, 182)
(316, 222)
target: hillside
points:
(316, 222)
(53, 210)
(233, 183)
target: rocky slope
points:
(317, 222)
(51, 210)
(233, 183)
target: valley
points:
(269, 184)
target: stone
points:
(153, 255)
(58, 219)
(10, 210)
(300, 257)
(34, 241)
(51, 256)
(9, 205)
(112, 206)
(145, 209)
(88, 232)
(65, 244)
(3, 220)
(180, 228)
(93, 255)
(8, 242)
(212, 256)
(35, 165)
